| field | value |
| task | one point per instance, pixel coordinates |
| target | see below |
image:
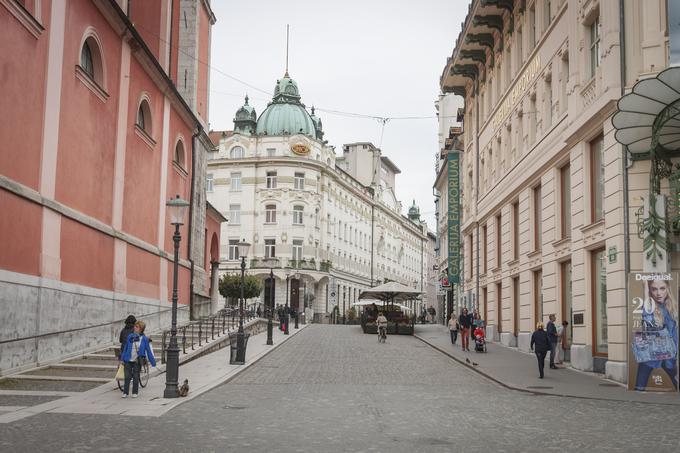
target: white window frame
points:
(297, 249)
(299, 181)
(236, 182)
(298, 215)
(233, 250)
(237, 152)
(269, 213)
(234, 214)
(271, 179)
(270, 248)
(209, 178)
(595, 53)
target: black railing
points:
(197, 333)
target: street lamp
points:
(270, 308)
(297, 311)
(286, 311)
(177, 209)
(243, 247)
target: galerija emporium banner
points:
(454, 216)
(653, 332)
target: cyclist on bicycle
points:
(381, 321)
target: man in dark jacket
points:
(540, 344)
(465, 323)
(125, 332)
(551, 330)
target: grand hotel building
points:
(544, 182)
(328, 226)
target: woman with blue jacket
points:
(660, 318)
(136, 349)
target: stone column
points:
(214, 286)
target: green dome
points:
(286, 115)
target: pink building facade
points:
(96, 137)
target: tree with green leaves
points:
(230, 287)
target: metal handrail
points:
(212, 328)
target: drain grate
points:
(539, 387)
(234, 407)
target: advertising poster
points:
(653, 332)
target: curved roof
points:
(286, 114)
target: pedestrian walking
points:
(562, 342)
(136, 350)
(540, 344)
(125, 332)
(259, 312)
(465, 323)
(453, 328)
(433, 313)
(551, 330)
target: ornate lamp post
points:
(286, 310)
(270, 308)
(243, 248)
(177, 209)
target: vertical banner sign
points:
(653, 332)
(674, 31)
(454, 216)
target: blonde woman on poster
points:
(659, 313)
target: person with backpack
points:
(125, 332)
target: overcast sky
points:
(370, 57)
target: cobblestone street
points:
(332, 388)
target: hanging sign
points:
(653, 332)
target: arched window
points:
(180, 155)
(144, 117)
(86, 60)
(91, 61)
(236, 152)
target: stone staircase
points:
(90, 370)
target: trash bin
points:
(234, 358)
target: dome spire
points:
(287, 40)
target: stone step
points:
(46, 385)
(77, 373)
(87, 360)
(81, 366)
(56, 377)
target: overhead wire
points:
(383, 118)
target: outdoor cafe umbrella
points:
(368, 302)
(391, 291)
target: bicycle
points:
(382, 334)
(143, 374)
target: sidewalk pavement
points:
(204, 374)
(518, 370)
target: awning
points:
(648, 118)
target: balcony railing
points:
(284, 263)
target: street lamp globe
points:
(177, 209)
(243, 248)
